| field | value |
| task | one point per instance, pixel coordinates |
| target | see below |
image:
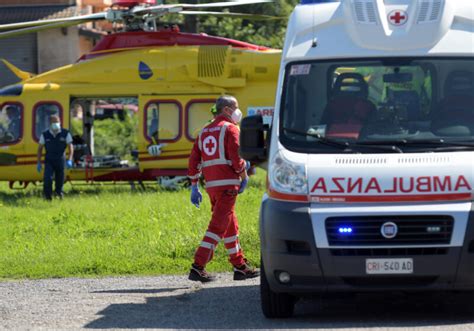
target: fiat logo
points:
(389, 230)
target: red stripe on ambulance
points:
(391, 198)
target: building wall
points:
(85, 45)
(21, 51)
(36, 2)
(48, 49)
(95, 3)
(57, 48)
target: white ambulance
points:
(370, 154)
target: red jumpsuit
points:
(216, 154)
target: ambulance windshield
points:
(409, 102)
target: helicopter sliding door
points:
(169, 125)
(104, 131)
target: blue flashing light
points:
(345, 230)
(311, 2)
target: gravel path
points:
(175, 302)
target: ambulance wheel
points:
(274, 305)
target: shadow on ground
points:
(239, 308)
(140, 290)
(16, 196)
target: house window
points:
(11, 123)
(42, 112)
(163, 121)
(198, 115)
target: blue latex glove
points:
(243, 184)
(196, 196)
(69, 164)
(39, 167)
(252, 171)
(247, 165)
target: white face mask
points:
(236, 116)
(55, 127)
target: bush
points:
(116, 137)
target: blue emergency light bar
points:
(311, 2)
(345, 230)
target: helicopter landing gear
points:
(173, 182)
(23, 185)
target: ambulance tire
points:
(274, 305)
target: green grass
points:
(112, 230)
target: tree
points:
(270, 33)
(265, 33)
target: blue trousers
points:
(53, 169)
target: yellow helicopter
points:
(163, 82)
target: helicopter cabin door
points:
(169, 127)
(105, 131)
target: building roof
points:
(16, 14)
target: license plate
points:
(389, 266)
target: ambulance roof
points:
(328, 29)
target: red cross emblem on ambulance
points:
(398, 17)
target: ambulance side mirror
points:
(252, 139)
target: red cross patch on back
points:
(209, 145)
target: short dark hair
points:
(225, 101)
(56, 117)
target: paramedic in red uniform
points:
(216, 155)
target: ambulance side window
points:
(42, 113)
(163, 121)
(11, 123)
(198, 115)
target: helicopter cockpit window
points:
(11, 123)
(42, 113)
(162, 121)
(199, 114)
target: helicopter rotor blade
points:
(18, 32)
(254, 17)
(74, 20)
(159, 8)
(16, 29)
(225, 4)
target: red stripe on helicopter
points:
(26, 155)
(157, 158)
(166, 152)
(18, 164)
(141, 153)
(135, 174)
(161, 158)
